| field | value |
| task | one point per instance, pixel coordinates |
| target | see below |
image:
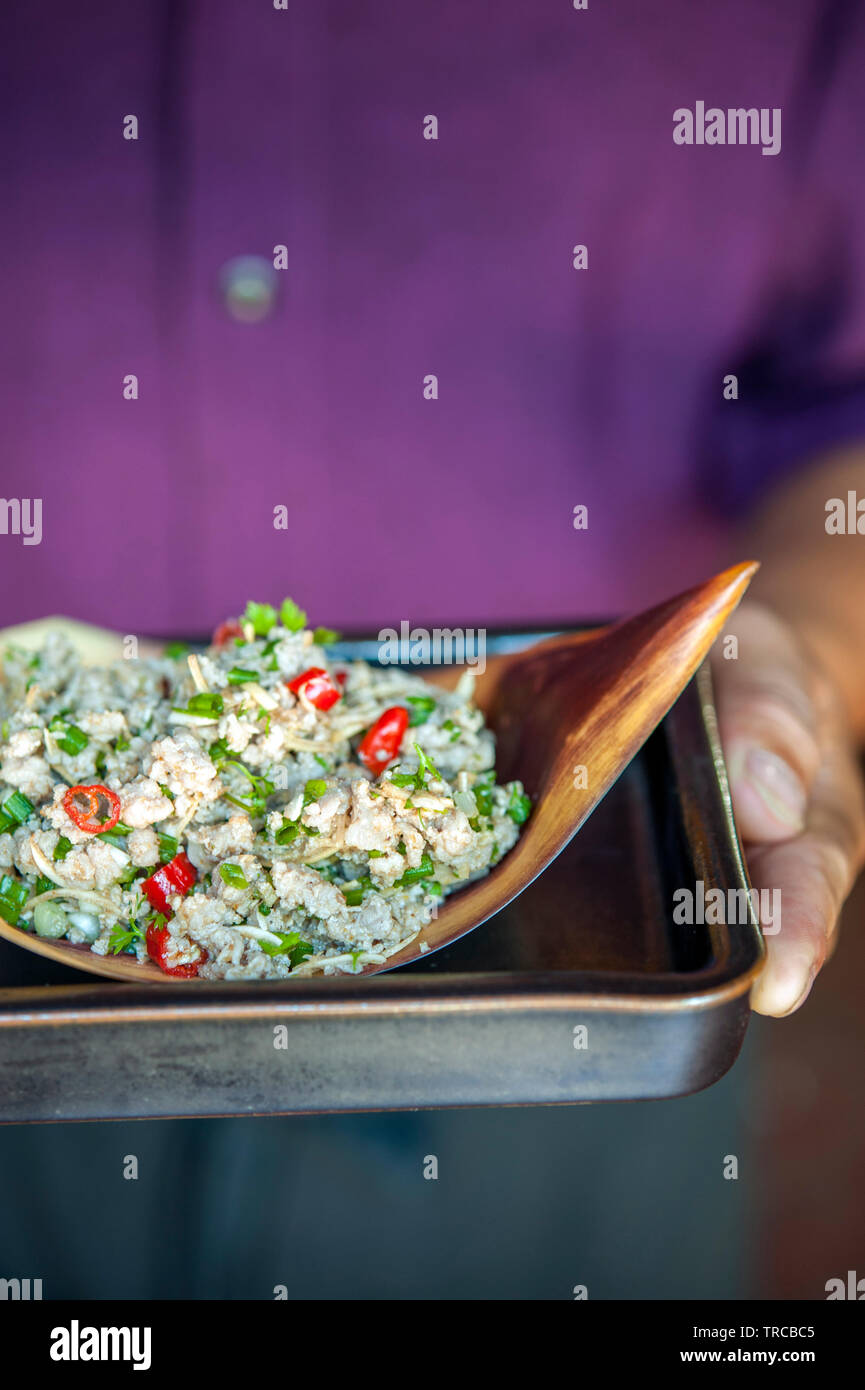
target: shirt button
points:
(248, 285)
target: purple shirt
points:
(408, 256)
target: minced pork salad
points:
(253, 811)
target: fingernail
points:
(803, 994)
(778, 786)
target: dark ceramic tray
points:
(583, 989)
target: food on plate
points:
(256, 810)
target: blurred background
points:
(242, 272)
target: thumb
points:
(768, 727)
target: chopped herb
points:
(15, 810)
(426, 768)
(233, 875)
(13, 896)
(354, 896)
(519, 807)
(422, 707)
(403, 779)
(205, 702)
(124, 938)
(167, 847)
(113, 837)
(423, 870)
(376, 853)
(288, 833)
(99, 762)
(319, 759)
(483, 796)
(323, 636)
(292, 617)
(61, 849)
(325, 868)
(264, 716)
(44, 885)
(291, 944)
(121, 744)
(4, 730)
(314, 790)
(175, 650)
(455, 732)
(400, 849)
(264, 910)
(169, 795)
(71, 739)
(238, 676)
(435, 888)
(262, 616)
(260, 789)
(219, 749)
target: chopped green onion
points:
(519, 807)
(292, 617)
(314, 790)
(116, 835)
(205, 702)
(233, 875)
(62, 848)
(219, 749)
(238, 676)
(422, 707)
(72, 739)
(423, 870)
(18, 806)
(323, 636)
(13, 896)
(175, 650)
(288, 833)
(262, 616)
(354, 896)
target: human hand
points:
(797, 794)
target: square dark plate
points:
(582, 989)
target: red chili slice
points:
(380, 744)
(342, 677)
(157, 949)
(177, 876)
(226, 632)
(93, 809)
(317, 686)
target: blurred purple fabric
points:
(406, 256)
